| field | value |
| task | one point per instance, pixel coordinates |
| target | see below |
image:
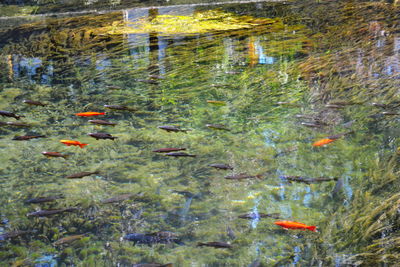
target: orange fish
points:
(89, 114)
(295, 225)
(73, 143)
(323, 142)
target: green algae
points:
(261, 129)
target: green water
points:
(310, 55)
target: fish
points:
(89, 114)
(73, 143)
(242, 176)
(216, 102)
(98, 136)
(68, 239)
(217, 127)
(334, 106)
(152, 265)
(15, 123)
(179, 154)
(27, 137)
(308, 180)
(12, 234)
(42, 199)
(80, 175)
(312, 125)
(330, 139)
(379, 105)
(166, 150)
(323, 142)
(390, 113)
(221, 166)
(45, 213)
(34, 103)
(170, 128)
(117, 198)
(214, 244)
(103, 122)
(54, 155)
(295, 225)
(162, 237)
(119, 107)
(9, 114)
(148, 81)
(230, 233)
(253, 215)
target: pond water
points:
(254, 94)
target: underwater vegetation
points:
(200, 137)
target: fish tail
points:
(113, 138)
(259, 176)
(65, 156)
(312, 228)
(82, 145)
(200, 244)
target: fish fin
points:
(82, 145)
(312, 228)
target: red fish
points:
(89, 114)
(73, 143)
(324, 141)
(295, 225)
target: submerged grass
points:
(82, 69)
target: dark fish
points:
(379, 105)
(230, 233)
(343, 103)
(153, 238)
(34, 103)
(80, 175)
(119, 107)
(68, 239)
(102, 122)
(312, 125)
(390, 113)
(179, 154)
(27, 137)
(102, 136)
(166, 150)
(170, 128)
(221, 166)
(337, 136)
(158, 77)
(42, 199)
(308, 180)
(286, 103)
(217, 127)
(242, 176)
(54, 155)
(117, 198)
(45, 213)
(9, 114)
(152, 265)
(337, 188)
(252, 215)
(12, 234)
(16, 124)
(334, 106)
(148, 81)
(214, 245)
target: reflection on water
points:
(166, 80)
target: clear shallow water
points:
(168, 79)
